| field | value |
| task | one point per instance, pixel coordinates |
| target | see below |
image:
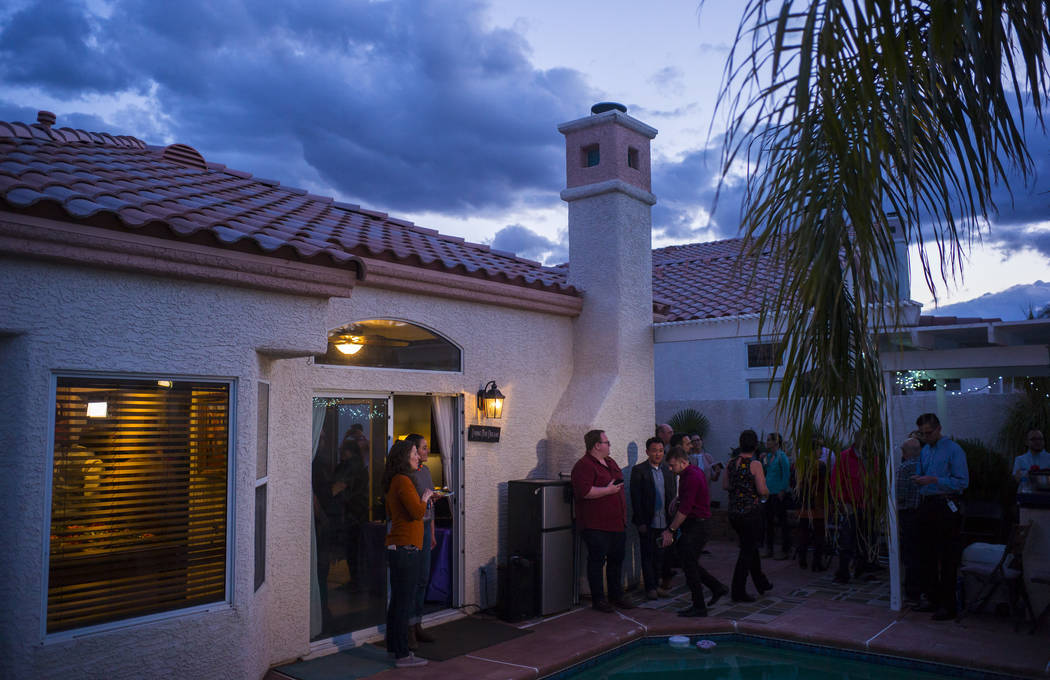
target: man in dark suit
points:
(652, 490)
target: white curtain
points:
(444, 420)
(316, 621)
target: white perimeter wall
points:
(710, 374)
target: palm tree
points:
(849, 117)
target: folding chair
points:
(1042, 578)
(1007, 572)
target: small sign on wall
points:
(482, 433)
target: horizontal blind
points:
(139, 499)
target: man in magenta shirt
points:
(601, 517)
(694, 509)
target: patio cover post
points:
(892, 535)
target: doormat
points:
(350, 664)
(466, 635)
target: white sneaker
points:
(410, 661)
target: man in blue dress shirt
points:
(942, 477)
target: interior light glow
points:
(97, 409)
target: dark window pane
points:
(262, 432)
(761, 354)
(260, 535)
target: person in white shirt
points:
(1035, 456)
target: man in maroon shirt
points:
(601, 516)
(694, 509)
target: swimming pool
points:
(746, 657)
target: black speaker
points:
(519, 599)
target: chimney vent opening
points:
(602, 107)
(590, 156)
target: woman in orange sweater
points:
(404, 540)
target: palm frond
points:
(853, 116)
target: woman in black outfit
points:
(746, 484)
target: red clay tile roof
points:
(704, 281)
(121, 183)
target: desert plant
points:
(990, 478)
(689, 420)
(1030, 411)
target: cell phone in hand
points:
(617, 482)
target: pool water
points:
(736, 659)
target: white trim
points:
(629, 122)
(196, 610)
(709, 320)
(425, 371)
(607, 187)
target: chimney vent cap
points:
(602, 107)
(46, 118)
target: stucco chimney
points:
(608, 182)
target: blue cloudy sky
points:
(441, 112)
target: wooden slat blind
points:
(138, 499)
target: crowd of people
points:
(670, 504)
(670, 499)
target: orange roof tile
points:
(120, 182)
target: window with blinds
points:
(138, 498)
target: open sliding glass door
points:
(351, 436)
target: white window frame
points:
(231, 507)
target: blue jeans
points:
(423, 578)
(404, 569)
(604, 548)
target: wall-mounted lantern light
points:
(490, 401)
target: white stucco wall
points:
(528, 354)
(57, 318)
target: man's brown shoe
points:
(622, 604)
(603, 606)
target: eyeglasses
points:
(604, 441)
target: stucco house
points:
(186, 349)
(710, 356)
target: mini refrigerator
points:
(540, 530)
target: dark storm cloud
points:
(686, 189)
(1029, 202)
(62, 48)
(398, 105)
(527, 243)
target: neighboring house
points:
(186, 346)
(709, 355)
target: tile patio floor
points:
(803, 606)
